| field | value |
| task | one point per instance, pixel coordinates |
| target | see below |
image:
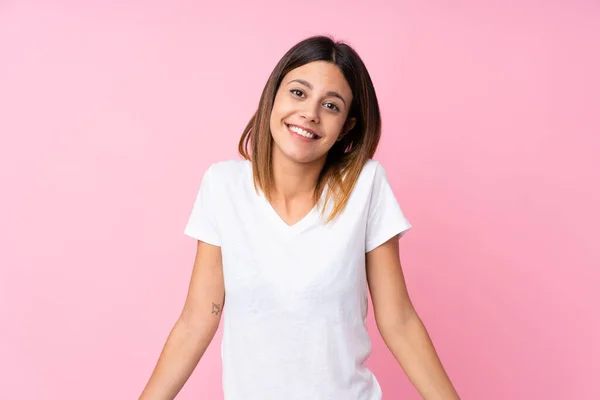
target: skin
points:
(321, 102)
(297, 164)
(401, 327)
(194, 329)
(311, 104)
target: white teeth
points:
(301, 132)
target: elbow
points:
(396, 323)
(200, 323)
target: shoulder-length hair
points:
(347, 157)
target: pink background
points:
(109, 115)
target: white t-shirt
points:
(296, 296)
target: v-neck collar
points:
(275, 219)
(279, 222)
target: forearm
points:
(412, 347)
(183, 350)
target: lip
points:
(304, 128)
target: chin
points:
(293, 154)
(299, 158)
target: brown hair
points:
(347, 157)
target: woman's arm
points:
(401, 328)
(194, 329)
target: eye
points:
(333, 106)
(296, 91)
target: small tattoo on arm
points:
(216, 309)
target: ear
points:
(350, 122)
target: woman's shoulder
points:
(371, 166)
(371, 172)
(228, 169)
(228, 177)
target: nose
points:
(310, 112)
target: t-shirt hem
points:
(385, 236)
(202, 236)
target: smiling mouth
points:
(302, 132)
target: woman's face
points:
(310, 110)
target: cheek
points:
(277, 111)
(335, 127)
(282, 106)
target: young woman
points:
(291, 238)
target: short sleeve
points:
(385, 217)
(202, 223)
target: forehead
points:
(323, 76)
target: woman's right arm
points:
(194, 329)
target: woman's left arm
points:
(400, 326)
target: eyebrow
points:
(330, 93)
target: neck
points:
(295, 180)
